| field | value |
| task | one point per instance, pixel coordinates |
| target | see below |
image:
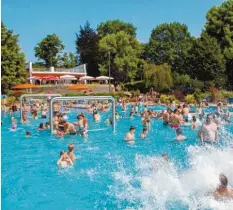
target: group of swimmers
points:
(176, 116)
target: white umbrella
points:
(103, 78)
(86, 78)
(30, 78)
(71, 78)
(67, 76)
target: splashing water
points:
(158, 184)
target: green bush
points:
(190, 99)
(167, 98)
(10, 100)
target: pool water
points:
(110, 173)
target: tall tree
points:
(68, 60)
(13, 60)
(114, 26)
(87, 48)
(48, 50)
(169, 43)
(206, 62)
(158, 76)
(220, 25)
(124, 52)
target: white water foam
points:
(156, 182)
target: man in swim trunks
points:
(130, 135)
(166, 116)
(175, 119)
(185, 111)
(209, 131)
(223, 191)
(69, 128)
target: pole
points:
(109, 72)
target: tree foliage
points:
(48, 50)
(87, 48)
(220, 25)
(68, 60)
(124, 52)
(115, 26)
(169, 43)
(13, 60)
(158, 76)
(206, 61)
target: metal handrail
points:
(84, 98)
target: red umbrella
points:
(49, 78)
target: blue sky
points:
(34, 19)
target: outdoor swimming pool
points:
(109, 173)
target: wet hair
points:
(223, 179)
(62, 152)
(47, 124)
(70, 147)
(194, 119)
(175, 111)
(132, 128)
(178, 131)
(41, 125)
(144, 129)
(28, 133)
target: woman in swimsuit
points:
(82, 125)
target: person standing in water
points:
(223, 191)
(179, 136)
(130, 135)
(209, 131)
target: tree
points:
(87, 48)
(220, 25)
(48, 50)
(124, 52)
(13, 60)
(115, 26)
(206, 62)
(68, 60)
(158, 76)
(169, 43)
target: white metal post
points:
(84, 98)
(33, 95)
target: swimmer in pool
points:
(144, 133)
(71, 152)
(24, 118)
(14, 123)
(69, 128)
(64, 160)
(41, 127)
(130, 135)
(28, 134)
(209, 131)
(96, 115)
(223, 191)
(194, 123)
(179, 136)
